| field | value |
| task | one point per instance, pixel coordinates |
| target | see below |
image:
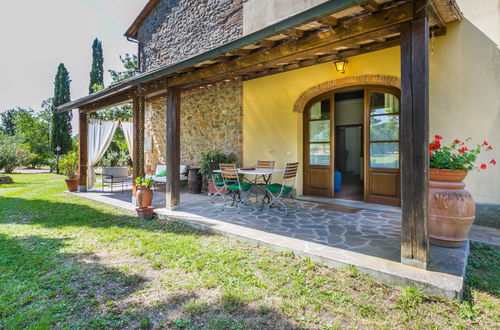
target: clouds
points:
(38, 35)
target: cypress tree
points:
(61, 121)
(97, 72)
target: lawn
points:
(66, 262)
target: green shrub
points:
(12, 154)
(211, 156)
(69, 165)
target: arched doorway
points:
(351, 143)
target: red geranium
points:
(456, 156)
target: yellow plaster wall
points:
(465, 97)
(271, 131)
(464, 101)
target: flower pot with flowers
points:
(69, 166)
(451, 207)
(144, 197)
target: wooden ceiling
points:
(372, 25)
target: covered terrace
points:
(330, 31)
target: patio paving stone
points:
(367, 232)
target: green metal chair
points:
(278, 192)
(235, 187)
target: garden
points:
(67, 262)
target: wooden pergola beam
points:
(82, 151)
(353, 28)
(173, 151)
(139, 120)
(415, 139)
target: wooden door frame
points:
(396, 92)
(367, 88)
(306, 142)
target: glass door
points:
(318, 148)
(382, 184)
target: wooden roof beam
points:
(328, 21)
(371, 6)
(352, 28)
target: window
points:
(384, 130)
(319, 133)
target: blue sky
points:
(39, 34)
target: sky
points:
(40, 34)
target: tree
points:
(33, 133)
(61, 121)
(9, 120)
(97, 71)
(130, 63)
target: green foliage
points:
(211, 156)
(410, 299)
(32, 130)
(143, 182)
(456, 156)
(117, 153)
(61, 121)
(130, 63)
(97, 71)
(12, 153)
(483, 269)
(69, 165)
(8, 121)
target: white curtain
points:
(128, 131)
(100, 134)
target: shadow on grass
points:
(60, 214)
(43, 286)
(227, 311)
(483, 270)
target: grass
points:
(66, 262)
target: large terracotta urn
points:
(144, 196)
(451, 208)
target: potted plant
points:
(144, 197)
(208, 157)
(69, 166)
(451, 207)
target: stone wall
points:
(210, 118)
(178, 29)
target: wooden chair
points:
(218, 183)
(278, 192)
(233, 185)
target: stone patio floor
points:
(365, 238)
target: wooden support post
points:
(138, 140)
(173, 148)
(415, 137)
(82, 151)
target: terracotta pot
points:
(145, 212)
(144, 196)
(72, 184)
(211, 189)
(451, 208)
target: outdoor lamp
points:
(340, 65)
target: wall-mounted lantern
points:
(340, 65)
